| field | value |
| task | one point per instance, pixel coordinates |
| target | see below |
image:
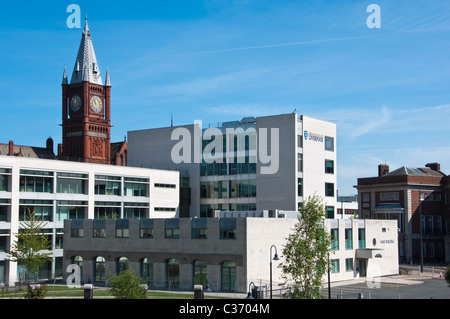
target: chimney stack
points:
(11, 148)
(434, 166)
(383, 169)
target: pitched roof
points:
(86, 66)
(28, 151)
(415, 171)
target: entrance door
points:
(362, 267)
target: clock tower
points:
(86, 103)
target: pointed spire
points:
(86, 66)
(65, 81)
(107, 80)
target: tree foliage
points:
(306, 251)
(27, 249)
(126, 285)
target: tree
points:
(306, 251)
(30, 243)
(126, 285)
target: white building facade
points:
(57, 190)
(262, 163)
(222, 254)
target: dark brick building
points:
(418, 198)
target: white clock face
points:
(75, 103)
(96, 104)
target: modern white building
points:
(257, 163)
(222, 254)
(57, 190)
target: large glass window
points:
(146, 228)
(5, 207)
(135, 210)
(136, 187)
(71, 183)
(242, 188)
(5, 176)
(36, 181)
(172, 228)
(122, 264)
(107, 185)
(228, 276)
(107, 210)
(70, 210)
(361, 238)
(43, 209)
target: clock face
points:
(96, 104)
(75, 103)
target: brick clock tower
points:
(86, 106)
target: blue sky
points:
(388, 88)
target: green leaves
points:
(30, 243)
(306, 251)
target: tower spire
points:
(65, 81)
(86, 66)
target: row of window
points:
(73, 183)
(172, 271)
(207, 210)
(44, 210)
(348, 238)
(172, 229)
(228, 189)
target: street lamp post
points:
(274, 258)
(421, 231)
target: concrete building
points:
(262, 163)
(56, 191)
(223, 254)
(417, 198)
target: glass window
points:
(198, 228)
(99, 229)
(70, 210)
(146, 228)
(172, 228)
(329, 143)
(107, 185)
(147, 271)
(42, 209)
(228, 276)
(334, 239)
(329, 211)
(335, 265)
(200, 273)
(348, 238)
(329, 166)
(329, 189)
(173, 272)
(71, 183)
(227, 228)
(5, 174)
(122, 264)
(36, 181)
(135, 187)
(300, 187)
(349, 264)
(99, 269)
(107, 210)
(361, 238)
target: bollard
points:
(88, 291)
(198, 292)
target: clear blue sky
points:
(388, 89)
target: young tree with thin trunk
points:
(30, 243)
(306, 253)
